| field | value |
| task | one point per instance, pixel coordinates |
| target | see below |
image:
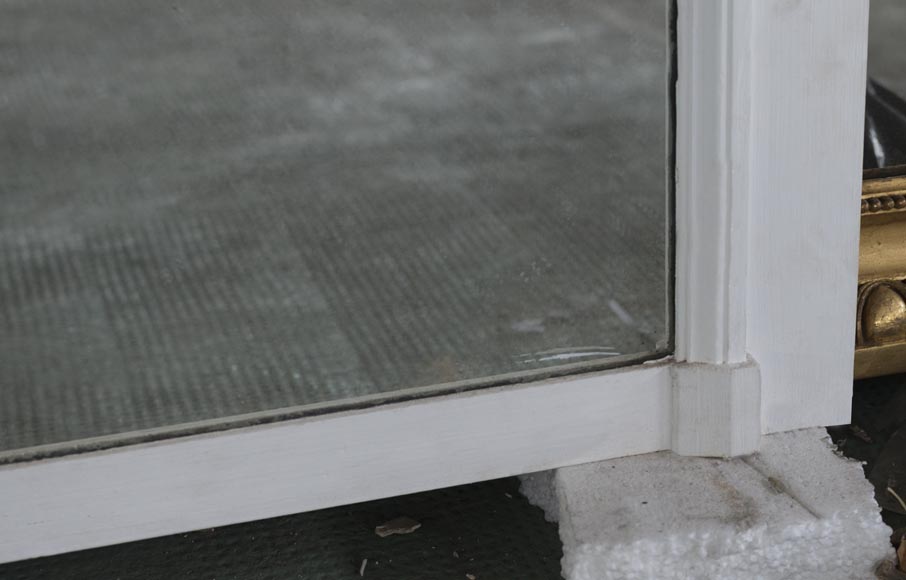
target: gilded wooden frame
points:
(881, 306)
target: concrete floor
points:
(486, 530)
(217, 207)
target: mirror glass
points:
(219, 211)
(885, 98)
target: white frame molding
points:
(770, 103)
(808, 108)
(714, 61)
(716, 386)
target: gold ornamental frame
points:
(881, 307)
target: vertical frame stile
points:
(712, 179)
(716, 398)
(806, 171)
(770, 108)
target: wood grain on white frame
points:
(149, 490)
(808, 106)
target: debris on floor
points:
(894, 570)
(901, 554)
(401, 525)
(889, 571)
(877, 437)
(493, 538)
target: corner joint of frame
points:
(716, 408)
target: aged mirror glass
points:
(885, 106)
(222, 209)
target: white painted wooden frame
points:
(769, 105)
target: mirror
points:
(215, 210)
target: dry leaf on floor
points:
(401, 525)
(860, 433)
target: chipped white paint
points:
(716, 409)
